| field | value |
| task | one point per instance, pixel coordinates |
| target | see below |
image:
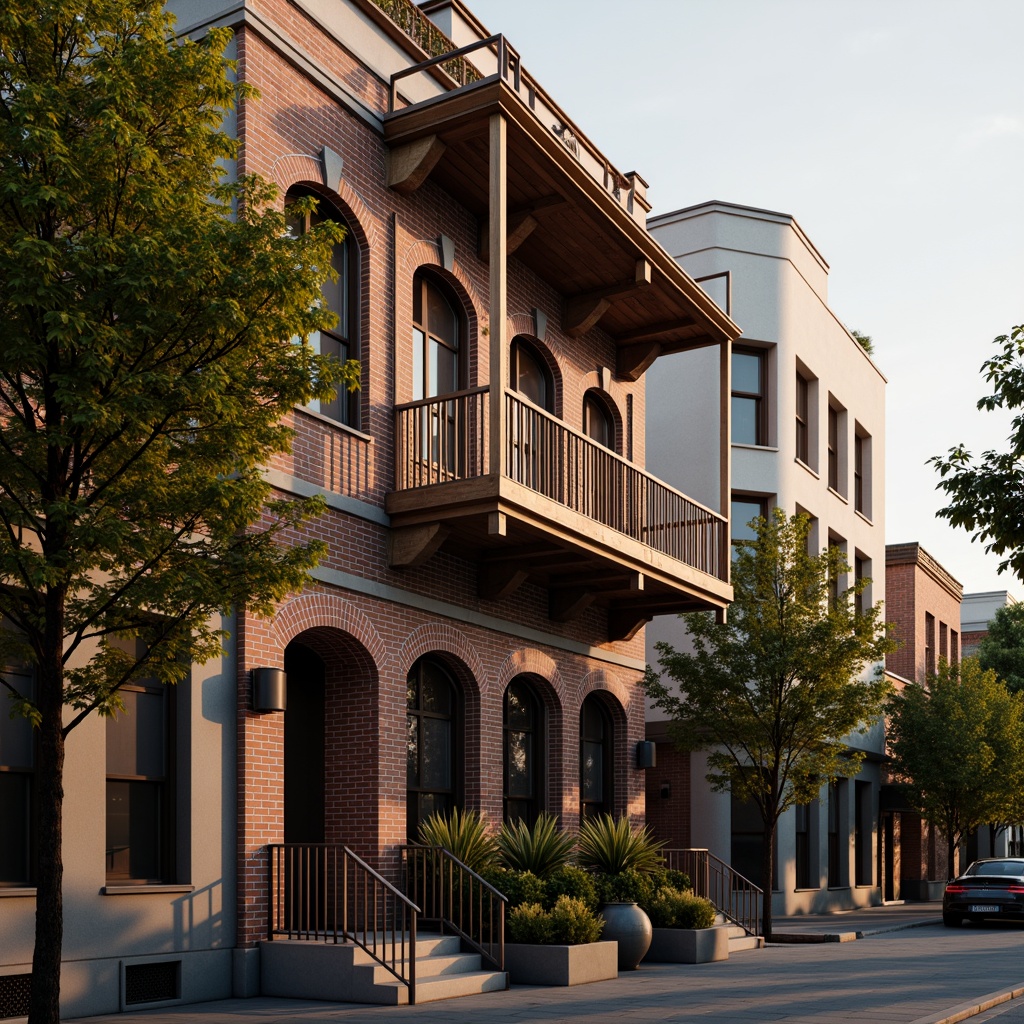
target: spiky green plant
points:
(611, 846)
(542, 849)
(465, 835)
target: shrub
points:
(573, 923)
(670, 908)
(612, 846)
(627, 886)
(542, 849)
(670, 878)
(529, 923)
(573, 881)
(464, 835)
(518, 887)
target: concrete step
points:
(432, 966)
(451, 986)
(741, 942)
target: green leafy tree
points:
(865, 341)
(774, 693)
(957, 742)
(984, 495)
(146, 309)
(1002, 650)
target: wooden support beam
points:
(653, 331)
(584, 311)
(409, 165)
(411, 546)
(498, 580)
(633, 361)
(522, 222)
(570, 603)
(625, 621)
(614, 579)
(520, 227)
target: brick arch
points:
(320, 611)
(601, 679)
(451, 645)
(614, 698)
(354, 211)
(530, 661)
(426, 252)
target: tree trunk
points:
(48, 803)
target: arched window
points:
(433, 718)
(530, 376)
(341, 297)
(598, 424)
(596, 759)
(436, 340)
(524, 746)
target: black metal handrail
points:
(735, 896)
(456, 898)
(326, 893)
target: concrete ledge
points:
(561, 965)
(689, 945)
(971, 1008)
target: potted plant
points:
(622, 858)
(684, 927)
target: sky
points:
(892, 130)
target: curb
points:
(798, 938)
(963, 1011)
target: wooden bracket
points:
(624, 621)
(569, 603)
(496, 580)
(411, 546)
(584, 311)
(409, 165)
(632, 361)
(522, 222)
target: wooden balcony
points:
(558, 509)
(477, 124)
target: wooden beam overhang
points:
(574, 230)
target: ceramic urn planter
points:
(630, 927)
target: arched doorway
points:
(304, 745)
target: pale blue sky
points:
(893, 130)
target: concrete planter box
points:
(689, 945)
(561, 965)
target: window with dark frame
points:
(929, 644)
(835, 874)
(523, 748)
(859, 573)
(954, 648)
(433, 724)
(834, 544)
(140, 798)
(743, 509)
(803, 434)
(437, 356)
(802, 816)
(17, 767)
(833, 448)
(858, 474)
(597, 746)
(341, 297)
(598, 424)
(749, 383)
(530, 376)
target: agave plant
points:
(541, 850)
(611, 846)
(464, 835)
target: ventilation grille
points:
(14, 989)
(151, 983)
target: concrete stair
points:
(300, 969)
(739, 940)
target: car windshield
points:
(996, 867)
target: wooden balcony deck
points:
(560, 510)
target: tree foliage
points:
(774, 693)
(985, 494)
(957, 742)
(146, 307)
(865, 341)
(1002, 650)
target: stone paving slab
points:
(922, 975)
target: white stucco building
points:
(808, 427)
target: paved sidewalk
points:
(848, 925)
(921, 974)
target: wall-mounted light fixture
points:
(645, 754)
(666, 790)
(269, 689)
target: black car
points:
(988, 888)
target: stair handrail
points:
(735, 896)
(439, 882)
(308, 900)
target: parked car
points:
(988, 888)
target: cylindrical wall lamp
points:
(269, 689)
(646, 756)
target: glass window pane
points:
(441, 318)
(592, 781)
(744, 420)
(133, 830)
(520, 764)
(135, 739)
(531, 379)
(746, 372)
(15, 804)
(444, 369)
(519, 707)
(435, 753)
(741, 513)
(412, 770)
(597, 424)
(418, 345)
(16, 739)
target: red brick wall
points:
(668, 797)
